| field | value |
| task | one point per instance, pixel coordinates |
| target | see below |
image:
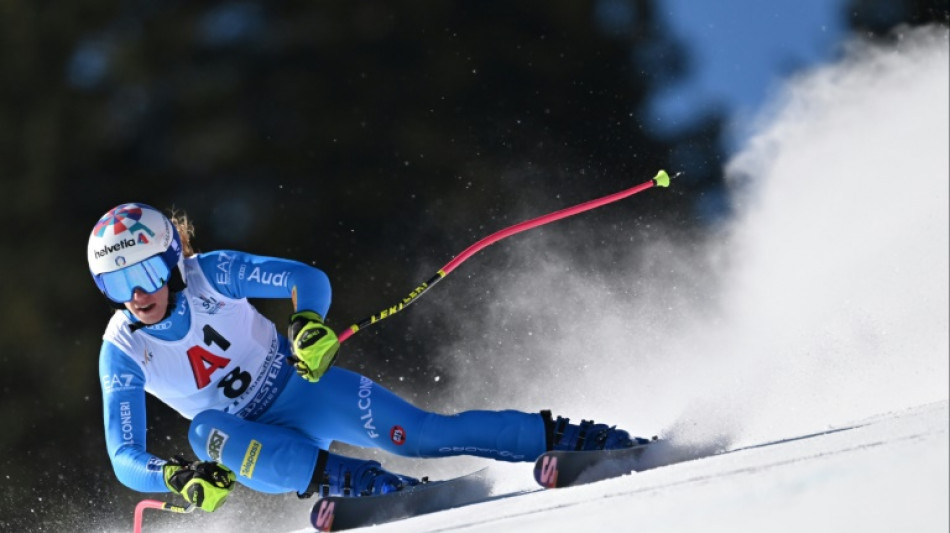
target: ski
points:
(555, 469)
(337, 513)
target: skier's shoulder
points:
(222, 270)
(118, 328)
(118, 339)
(212, 271)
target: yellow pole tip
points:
(662, 179)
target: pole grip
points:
(161, 506)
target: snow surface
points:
(884, 474)
(824, 307)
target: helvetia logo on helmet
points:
(121, 245)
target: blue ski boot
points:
(560, 434)
(336, 475)
(371, 479)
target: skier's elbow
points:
(130, 470)
(130, 481)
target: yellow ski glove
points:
(313, 344)
(203, 483)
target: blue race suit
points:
(221, 364)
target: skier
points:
(184, 332)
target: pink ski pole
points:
(662, 179)
(155, 504)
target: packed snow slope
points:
(884, 474)
(822, 306)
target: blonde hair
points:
(186, 231)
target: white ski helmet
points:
(133, 246)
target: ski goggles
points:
(149, 276)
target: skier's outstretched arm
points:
(242, 275)
(123, 402)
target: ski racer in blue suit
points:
(264, 408)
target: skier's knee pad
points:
(209, 433)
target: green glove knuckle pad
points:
(194, 493)
(204, 484)
(310, 335)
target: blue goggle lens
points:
(149, 275)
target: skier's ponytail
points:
(186, 231)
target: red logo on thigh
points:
(397, 435)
